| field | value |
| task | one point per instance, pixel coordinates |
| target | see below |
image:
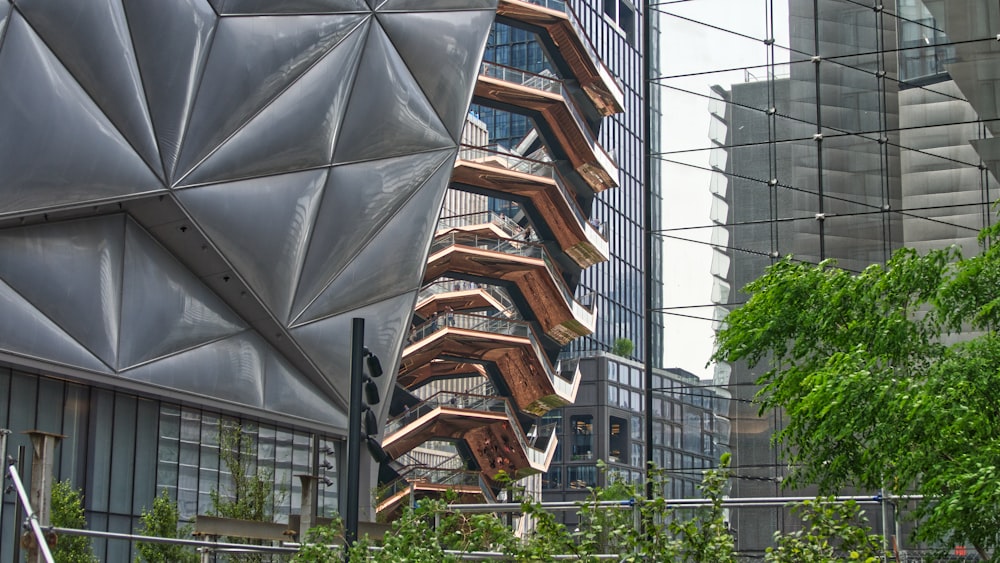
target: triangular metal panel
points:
(388, 114)
(288, 391)
(217, 5)
(431, 41)
(71, 272)
(293, 6)
(433, 5)
(171, 74)
(25, 331)
(65, 150)
(228, 370)
(165, 308)
(970, 77)
(267, 254)
(296, 130)
(327, 342)
(92, 40)
(252, 61)
(4, 13)
(394, 261)
(358, 200)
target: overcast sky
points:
(690, 48)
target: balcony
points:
(537, 187)
(461, 339)
(460, 295)
(514, 264)
(488, 424)
(569, 46)
(546, 100)
(422, 481)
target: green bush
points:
(67, 512)
(161, 521)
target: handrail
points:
(449, 285)
(508, 246)
(535, 168)
(505, 223)
(494, 325)
(574, 21)
(544, 82)
(32, 516)
(568, 101)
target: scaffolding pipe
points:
(32, 518)
(3, 457)
(558, 506)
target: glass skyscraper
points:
(818, 129)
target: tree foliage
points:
(831, 531)
(251, 495)
(162, 521)
(67, 512)
(888, 377)
(645, 530)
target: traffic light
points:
(369, 420)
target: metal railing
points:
(525, 165)
(537, 82)
(513, 248)
(574, 21)
(565, 370)
(32, 517)
(544, 82)
(506, 224)
(448, 285)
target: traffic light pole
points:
(354, 435)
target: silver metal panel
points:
(296, 130)
(53, 131)
(385, 267)
(25, 331)
(230, 369)
(388, 114)
(434, 5)
(171, 74)
(35, 261)
(293, 6)
(286, 390)
(267, 254)
(252, 61)
(372, 191)
(92, 40)
(327, 341)
(4, 13)
(459, 40)
(165, 308)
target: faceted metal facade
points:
(199, 196)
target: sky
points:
(689, 49)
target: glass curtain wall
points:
(840, 129)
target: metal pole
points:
(647, 251)
(354, 435)
(3, 459)
(43, 546)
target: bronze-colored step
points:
(567, 127)
(487, 425)
(535, 385)
(573, 47)
(467, 487)
(545, 196)
(523, 265)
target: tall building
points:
(837, 130)
(196, 198)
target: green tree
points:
(162, 521)
(67, 512)
(252, 494)
(623, 347)
(831, 532)
(876, 392)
